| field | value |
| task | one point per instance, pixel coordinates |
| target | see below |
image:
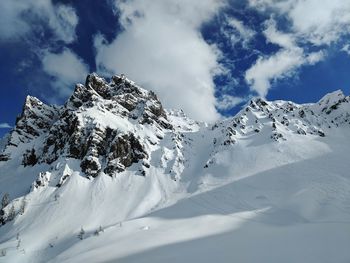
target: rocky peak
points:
(34, 108)
(102, 124)
(119, 85)
(30, 103)
(111, 125)
(35, 119)
(332, 101)
(332, 97)
(98, 84)
(281, 119)
(120, 95)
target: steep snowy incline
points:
(293, 212)
(162, 187)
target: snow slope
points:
(270, 184)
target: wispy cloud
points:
(315, 23)
(31, 20)
(227, 102)
(236, 31)
(5, 125)
(20, 18)
(282, 64)
(346, 49)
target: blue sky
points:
(207, 57)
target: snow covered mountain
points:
(111, 176)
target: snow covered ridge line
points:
(142, 175)
(111, 128)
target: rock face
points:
(35, 121)
(109, 126)
(75, 130)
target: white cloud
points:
(317, 22)
(243, 33)
(19, 19)
(5, 125)
(315, 57)
(276, 37)
(313, 22)
(10, 24)
(163, 50)
(227, 102)
(346, 49)
(280, 65)
(268, 5)
(62, 19)
(66, 68)
(321, 22)
(277, 66)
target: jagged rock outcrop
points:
(109, 126)
(75, 130)
(35, 120)
(281, 118)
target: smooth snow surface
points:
(293, 212)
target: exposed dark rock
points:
(261, 102)
(277, 136)
(274, 127)
(41, 180)
(29, 158)
(124, 151)
(321, 133)
(4, 157)
(301, 131)
(63, 180)
(91, 166)
(229, 142)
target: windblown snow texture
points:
(112, 176)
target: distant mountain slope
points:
(148, 184)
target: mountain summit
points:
(113, 154)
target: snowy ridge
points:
(138, 174)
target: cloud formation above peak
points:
(311, 23)
(162, 49)
(5, 125)
(66, 68)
